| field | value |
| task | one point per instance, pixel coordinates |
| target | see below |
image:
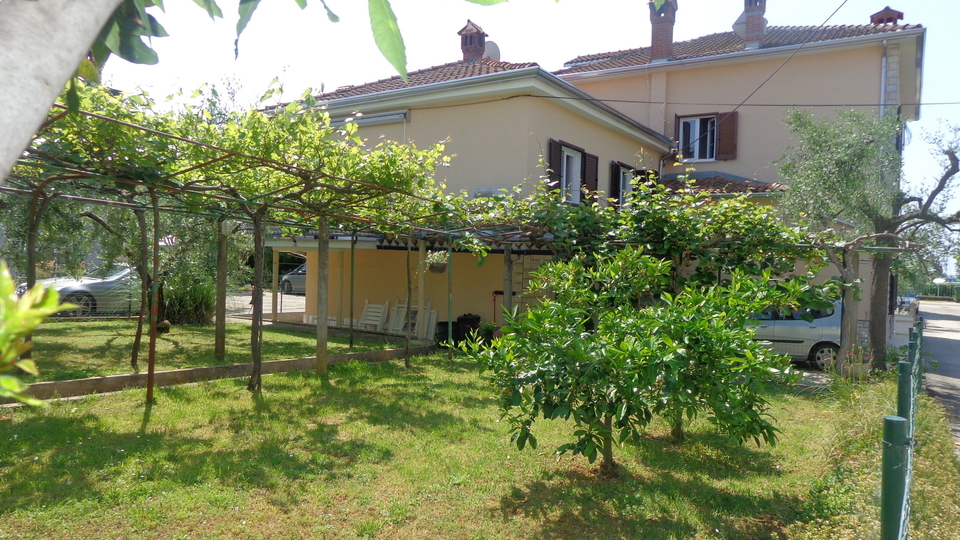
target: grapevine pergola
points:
(190, 189)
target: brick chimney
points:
(754, 23)
(661, 41)
(886, 16)
(472, 41)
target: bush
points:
(189, 299)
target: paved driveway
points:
(941, 345)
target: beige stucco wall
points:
(834, 78)
(380, 276)
(499, 144)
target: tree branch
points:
(102, 223)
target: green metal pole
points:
(905, 394)
(893, 486)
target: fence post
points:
(893, 485)
(905, 394)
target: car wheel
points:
(286, 287)
(84, 302)
(823, 355)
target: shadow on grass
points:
(677, 492)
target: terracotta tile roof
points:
(728, 42)
(722, 184)
(431, 75)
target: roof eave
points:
(745, 55)
(532, 80)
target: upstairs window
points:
(698, 138)
(707, 137)
(623, 180)
(571, 171)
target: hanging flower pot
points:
(436, 261)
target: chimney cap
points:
(667, 9)
(471, 28)
(886, 15)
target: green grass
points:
(76, 349)
(379, 451)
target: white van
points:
(816, 341)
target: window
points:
(571, 171)
(698, 138)
(623, 178)
(707, 137)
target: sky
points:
(304, 49)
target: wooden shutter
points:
(727, 136)
(554, 159)
(614, 192)
(591, 175)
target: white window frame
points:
(571, 182)
(627, 175)
(691, 127)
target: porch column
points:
(275, 285)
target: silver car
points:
(118, 293)
(816, 341)
(295, 282)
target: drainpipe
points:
(883, 81)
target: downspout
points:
(883, 81)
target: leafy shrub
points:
(189, 299)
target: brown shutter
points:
(727, 136)
(614, 192)
(676, 129)
(554, 157)
(591, 175)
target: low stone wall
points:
(115, 383)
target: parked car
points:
(816, 341)
(295, 282)
(118, 293)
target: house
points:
(723, 97)
(718, 101)
(498, 119)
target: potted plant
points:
(858, 363)
(436, 261)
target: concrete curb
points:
(115, 383)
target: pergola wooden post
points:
(323, 273)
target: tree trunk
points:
(850, 273)
(41, 45)
(154, 295)
(220, 333)
(676, 428)
(608, 467)
(879, 304)
(145, 285)
(256, 328)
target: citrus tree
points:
(594, 356)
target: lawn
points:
(75, 349)
(380, 451)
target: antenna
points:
(491, 51)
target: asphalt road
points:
(941, 347)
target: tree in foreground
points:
(600, 355)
